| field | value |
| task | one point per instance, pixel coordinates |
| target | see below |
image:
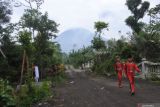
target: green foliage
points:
(154, 77)
(136, 26)
(104, 63)
(146, 40)
(154, 27)
(34, 34)
(154, 12)
(77, 58)
(10, 66)
(146, 37)
(26, 97)
(104, 67)
(99, 26)
(36, 21)
(6, 94)
(39, 47)
(133, 6)
(47, 27)
(25, 40)
(148, 46)
(30, 18)
(46, 53)
(57, 54)
(98, 43)
(59, 78)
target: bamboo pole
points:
(27, 61)
(2, 53)
(22, 69)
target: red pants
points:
(130, 76)
(119, 78)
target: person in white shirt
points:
(36, 71)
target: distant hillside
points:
(74, 39)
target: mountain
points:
(74, 39)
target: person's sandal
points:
(120, 86)
(132, 94)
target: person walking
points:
(131, 67)
(119, 68)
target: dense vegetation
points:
(31, 40)
(34, 34)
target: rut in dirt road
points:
(84, 91)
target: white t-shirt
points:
(36, 72)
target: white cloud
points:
(83, 13)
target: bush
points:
(104, 67)
(6, 94)
(37, 92)
(154, 77)
(61, 77)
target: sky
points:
(83, 13)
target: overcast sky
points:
(83, 13)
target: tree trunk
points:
(22, 69)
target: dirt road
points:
(84, 91)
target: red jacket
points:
(131, 67)
(118, 66)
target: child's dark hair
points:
(129, 56)
(117, 57)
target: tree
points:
(33, 4)
(147, 46)
(25, 40)
(82, 56)
(30, 4)
(31, 16)
(97, 41)
(147, 41)
(46, 30)
(146, 36)
(9, 65)
(43, 30)
(47, 27)
(39, 24)
(100, 26)
(138, 9)
(5, 12)
(30, 20)
(154, 26)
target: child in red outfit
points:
(130, 70)
(119, 68)
(124, 69)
